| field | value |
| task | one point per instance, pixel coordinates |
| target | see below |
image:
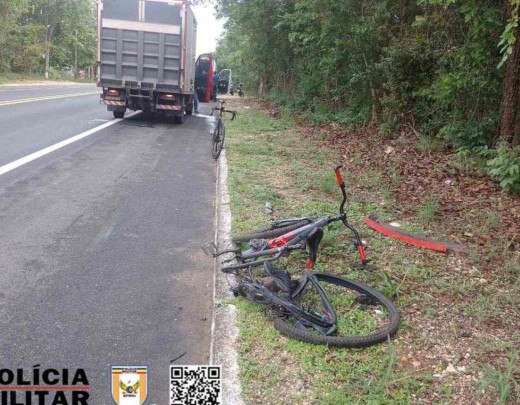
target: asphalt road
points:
(99, 241)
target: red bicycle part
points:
(280, 241)
(339, 177)
(309, 264)
(415, 240)
(362, 254)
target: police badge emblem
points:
(129, 385)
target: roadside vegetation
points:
(445, 71)
(17, 77)
(31, 29)
(459, 339)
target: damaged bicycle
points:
(318, 308)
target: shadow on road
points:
(149, 120)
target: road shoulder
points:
(224, 327)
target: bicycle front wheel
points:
(362, 315)
(219, 133)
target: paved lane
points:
(29, 127)
(24, 92)
(99, 245)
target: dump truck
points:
(146, 56)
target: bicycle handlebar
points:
(223, 110)
(343, 216)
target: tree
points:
(430, 65)
(30, 29)
(10, 10)
(510, 107)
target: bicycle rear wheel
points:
(363, 316)
(271, 232)
(219, 133)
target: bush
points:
(470, 133)
(505, 167)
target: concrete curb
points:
(224, 330)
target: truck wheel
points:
(147, 115)
(119, 113)
(179, 118)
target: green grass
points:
(501, 380)
(427, 143)
(9, 77)
(429, 211)
(269, 161)
(267, 165)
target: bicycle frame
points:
(324, 324)
(307, 235)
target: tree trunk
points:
(516, 136)
(376, 106)
(261, 85)
(406, 14)
(510, 108)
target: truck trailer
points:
(146, 56)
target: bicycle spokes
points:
(349, 311)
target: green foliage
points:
(505, 167)
(426, 64)
(25, 24)
(508, 37)
(10, 10)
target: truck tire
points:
(179, 118)
(119, 113)
(148, 115)
(189, 108)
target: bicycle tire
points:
(284, 326)
(269, 233)
(219, 135)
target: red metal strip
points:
(396, 233)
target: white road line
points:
(49, 149)
(33, 99)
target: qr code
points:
(195, 385)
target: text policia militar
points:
(47, 386)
